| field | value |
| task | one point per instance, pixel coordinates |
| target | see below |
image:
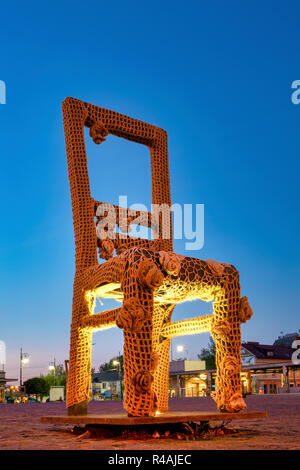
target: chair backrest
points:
(101, 122)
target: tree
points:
(109, 366)
(209, 354)
(37, 386)
(56, 376)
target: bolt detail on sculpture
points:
(146, 276)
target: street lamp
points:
(24, 359)
(181, 348)
(52, 368)
(118, 364)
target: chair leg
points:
(161, 346)
(227, 335)
(139, 399)
(79, 375)
(136, 319)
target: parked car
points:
(106, 394)
(10, 400)
(32, 400)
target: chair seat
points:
(197, 279)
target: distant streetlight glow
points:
(181, 348)
(24, 359)
(118, 365)
(52, 368)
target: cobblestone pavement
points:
(20, 427)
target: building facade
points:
(106, 385)
(269, 368)
(189, 379)
(3, 382)
(265, 369)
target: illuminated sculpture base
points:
(169, 417)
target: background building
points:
(189, 379)
(106, 385)
(3, 379)
(265, 369)
(269, 368)
(287, 339)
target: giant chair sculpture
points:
(145, 275)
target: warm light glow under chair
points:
(145, 275)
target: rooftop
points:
(287, 339)
(268, 351)
(105, 377)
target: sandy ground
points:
(20, 427)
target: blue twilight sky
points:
(217, 76)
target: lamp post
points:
(24, 359)
(52, 367)
(118, 364)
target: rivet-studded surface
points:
(145, 275)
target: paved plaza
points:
(20, 427)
